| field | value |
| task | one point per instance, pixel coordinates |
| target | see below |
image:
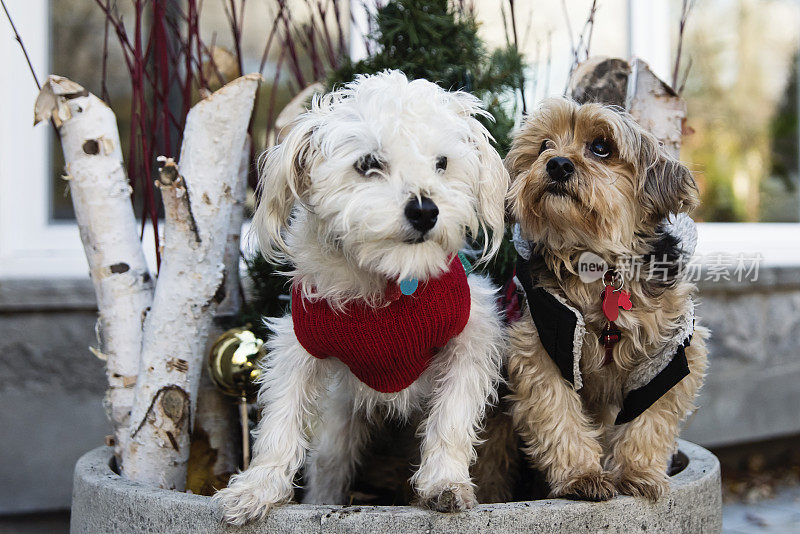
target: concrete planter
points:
(103, 503)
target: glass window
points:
(548, 31)
(76, 52)
(78, 32)
(742, 99)
(741, 90)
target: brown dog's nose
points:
(422, 214)
(560, 169)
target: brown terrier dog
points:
(598, 393)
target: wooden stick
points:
(245, 432)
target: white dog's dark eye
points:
(368, 162)
(441, 163)
(601, 147)
(544, 146)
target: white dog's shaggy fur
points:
(347, 238)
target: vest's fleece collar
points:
(646, 371)
(562, 330)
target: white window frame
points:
(32, 245)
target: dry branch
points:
(582, 49)
(686, 9)
(18, 39)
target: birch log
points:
(656, 106)
(216, 445)
(198, 201)
(232, 302)
(101, 198)
(634, 87)
(600, 79)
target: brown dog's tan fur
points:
(611, 207)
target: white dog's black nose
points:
(422, 214)
(560, 169)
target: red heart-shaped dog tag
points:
(613, 301)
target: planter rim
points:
(103, 501)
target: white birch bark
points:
(217, 420)
(651, 101)
(656, 106)
(101, 197)
(198, 201)
(232, 303)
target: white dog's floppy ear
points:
(493, 180)
(284, 180)
(491, 191)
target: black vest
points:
(557, 323)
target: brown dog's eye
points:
(601, 147)
(544, 146)
(368, 162)
(441, 163)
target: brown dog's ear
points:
(668, 185)
(284, 181)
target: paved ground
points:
(779, 514)
(43, 523)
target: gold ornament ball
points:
(233, 362)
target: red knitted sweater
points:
(387, 347)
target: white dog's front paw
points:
(239, 506)
(252, 494)
(455, 497)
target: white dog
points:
(381, 179)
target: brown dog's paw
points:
(596, 486)
(651, 485)
(453, 498)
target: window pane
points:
(742, 97)
(741, 90)
(543, 33)
(78, 34)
